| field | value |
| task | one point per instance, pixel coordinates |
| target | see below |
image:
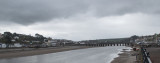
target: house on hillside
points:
(16, 37)
(150, 39)
(158, 40)
(51, 42)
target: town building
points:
(150, 39)
(1, 36)
(16, 37)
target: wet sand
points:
(125, 57)
(38, 51)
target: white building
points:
(16, 37)
(17, 45)
(158, 40)
(51, 42)
(2, 45)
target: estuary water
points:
(89, 55)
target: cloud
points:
(27, 12)
(80, 19)
(77, 28)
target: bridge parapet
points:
(105, 44)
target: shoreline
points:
(125, 57)
(14, 54)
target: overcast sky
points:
(81, 19)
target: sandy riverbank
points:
(125, 57)
(38, 51)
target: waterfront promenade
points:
(154, 54)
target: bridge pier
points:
(117, 44)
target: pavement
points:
(154, 54)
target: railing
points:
(146, 57)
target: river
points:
(89, 55)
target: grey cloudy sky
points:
(81, 19)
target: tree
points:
(133, 38)
(39, 37)
(7, 39)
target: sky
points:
(81, 19)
